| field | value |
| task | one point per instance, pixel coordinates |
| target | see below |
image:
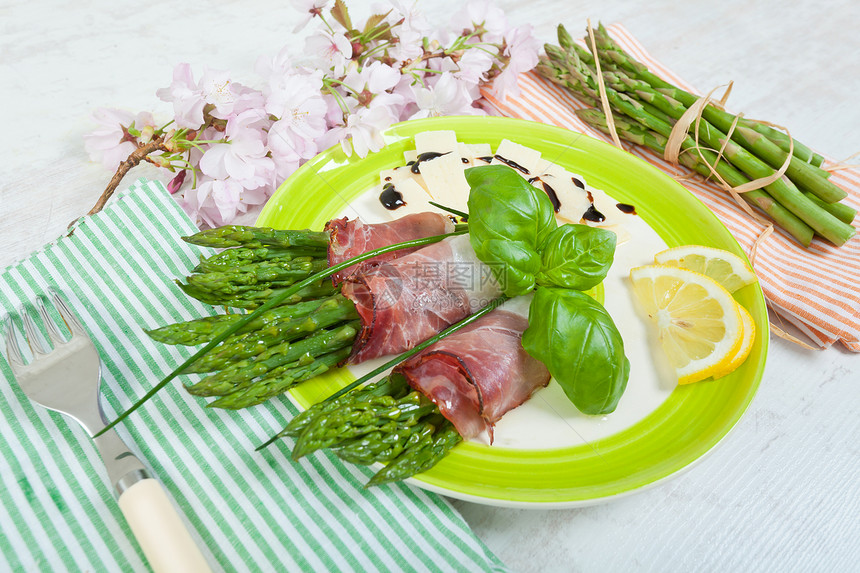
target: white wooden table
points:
(780, 493)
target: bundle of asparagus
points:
(385, 421)
(645, 109)
(305, 336)
(311, 332)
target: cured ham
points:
(479, 373)
(352, 237)
(408, 300)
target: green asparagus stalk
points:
(576, 70)
(237, 374)
(804, 175)
(394, 386)
(637, 134)
(240, 256)
(421, 456)
(254, 299)
(331, 312)
(784, 143)
(200, 330)
(280, 380)
(381, 414)
(256, 237)
(259, 276)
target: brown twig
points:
(138, 155)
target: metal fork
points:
(66, 380)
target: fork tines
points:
(31, 332)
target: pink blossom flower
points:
(110, 143)
(362, 132)
(472, 68)
(448, 96)
(309, 8)
(522, 55)
(242, 157)
(412, 29)
(483, 14)
(186, 97)
(329, 52)
(216, 202)
(296, 100)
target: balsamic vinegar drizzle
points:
(426, 156)
(580, 184)
(625, 208)
(593, 215)
(553, 196)
(391, 198)
(513, 164)
(486, 159)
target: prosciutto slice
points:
(350, 238)
(408, 300)
(479, 373)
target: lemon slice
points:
(745, 348)
(700, 324)
(726, 268)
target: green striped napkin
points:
(250, 511)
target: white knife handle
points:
(159, 530)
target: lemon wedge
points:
(700, 324)
(726, 268)
(745, 348)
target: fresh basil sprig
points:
(508, 222)
(574, 336)
(512, 228)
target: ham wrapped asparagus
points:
(352, 237)
(408, 300)
(478, 374)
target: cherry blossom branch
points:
(140, 154)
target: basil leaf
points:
(576, 256)
(574, 336)
(504, 208)
(502, 205)
(514, 264)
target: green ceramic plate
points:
(691, 421)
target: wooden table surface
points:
(781, 493)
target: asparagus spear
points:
(256, 298)
(637, 134)
(258, 276)
(573, 68)
(241, 256)
(357, 418)
(420, 457)
(256, 237)
(331, 312)
(244, 371)
(394, 386)
(200, 330)
(280, 380)
(803, 174)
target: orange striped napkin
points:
(815, 289)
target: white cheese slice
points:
(415, 196)
(472, 151)
(479, 149)
(410, 155)
(445, 181)
(524, 156)
(574, 201)
(436, 142)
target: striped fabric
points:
(815, 289)
(250, 511)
